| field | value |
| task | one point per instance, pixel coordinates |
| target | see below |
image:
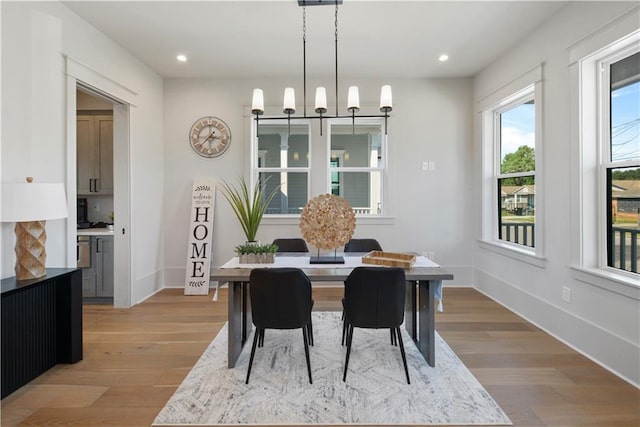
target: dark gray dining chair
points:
(291, 245)
(362, 245)
(374, 298)
(280, 299)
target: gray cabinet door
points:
(94, 145)
(89, 274)
(104, 134)
(104, 263)
(87, 156)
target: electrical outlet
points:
(428, 166)
(566, 294)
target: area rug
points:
(376, 390)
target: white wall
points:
(35, 39)
(604, 325)
(431, 121)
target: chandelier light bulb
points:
(321, 100)
(386, 100)
(353, 99)
(289, 105)
(257, 104)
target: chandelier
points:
(353, 96)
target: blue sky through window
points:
(625, 123)
(517, 129)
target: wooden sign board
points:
(200, 237)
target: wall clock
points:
(209, 137)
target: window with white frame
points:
(515, 173)
(281, 158)
(605, 71)
(619, 168)
(511, 143)
(356, 163)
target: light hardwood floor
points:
(134, 359)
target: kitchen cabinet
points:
(97, 279)
(94, 143)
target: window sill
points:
(609, 280)
(512, 251)
(295, 220)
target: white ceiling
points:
(401, 39)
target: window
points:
(356, 163)
(515, 174)
(606, 157)
(511, 156)
(620, 153)
(282, 158)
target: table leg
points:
(240, 321)
(426, 340)
(410, 311)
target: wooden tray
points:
(390, 259)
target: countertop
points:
(95, 232)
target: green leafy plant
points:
(249, 206)
(256, 249)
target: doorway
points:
(103, 92)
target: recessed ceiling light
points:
(444, 57)
(181, 58)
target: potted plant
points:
(256, 254)
(249, 206)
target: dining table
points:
(424, 281)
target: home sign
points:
(200, 236)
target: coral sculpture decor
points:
(327, 222)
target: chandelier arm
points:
(322, 116)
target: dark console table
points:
(41, 325)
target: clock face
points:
(209, 137)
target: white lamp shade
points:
(22, 202)
(353, 98)
(386, 100)
(321, 98)
(257, 104)
(289, 104)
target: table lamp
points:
(29, 205)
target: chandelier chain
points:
(304, 23)
(336, 23)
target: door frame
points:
(123, 99)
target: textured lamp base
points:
(31, 256)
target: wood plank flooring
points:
(134, 359)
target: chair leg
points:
(261, 339)
(253, 352)
(344, 329)
(305, 332)
(349, 341)
(404, 357)
(310, 332)
(392, 331)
